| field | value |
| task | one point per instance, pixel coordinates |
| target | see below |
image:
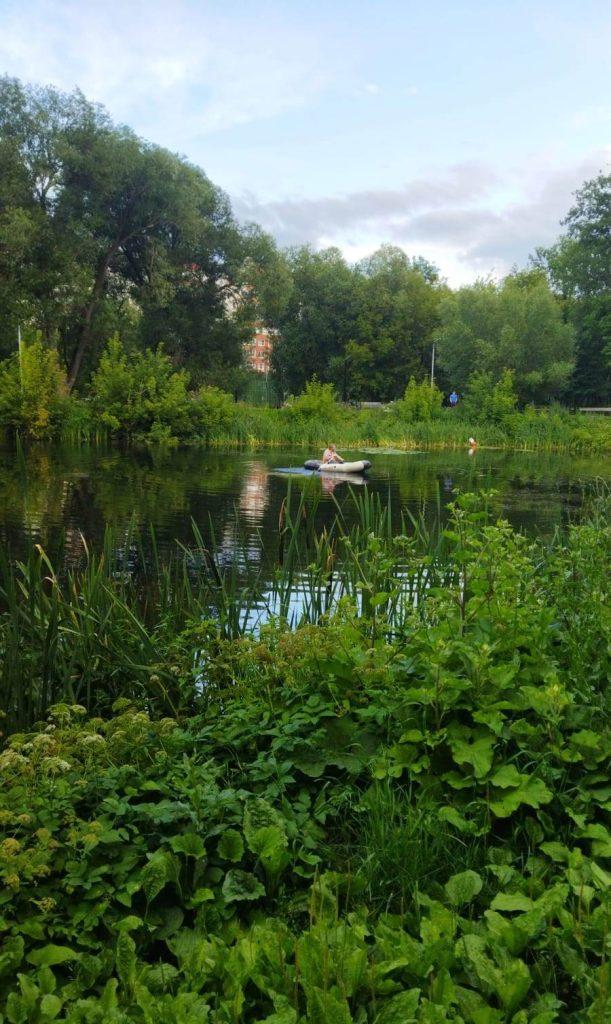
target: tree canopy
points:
(579, 269)
(100, 230)
(104, 233)
(517, 325)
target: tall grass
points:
(399, 847)
(105, 629)
(255, 426)
(556, 430)
(102, 630)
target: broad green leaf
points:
(511, 901)
(50, 1006)
(46, 980)
(399, 1009)
(231, 845)
(129, 923)
(452, 816)
(507, 777)
(188, 844)
(241, 885)
(270, 844)
(50, 955)
(200, 896)
(11, 955)
(556, 851)
(125, 959)
(530, 791)
(326, 1007)
(159, 977)
(286, 1015)
(602, 879)
(478, 753)
(462, 888)
(411, 736)
(513, 984)
(154, 876)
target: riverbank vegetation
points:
(394, 810)
(104, 234)
(141, 398)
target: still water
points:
(60, 496)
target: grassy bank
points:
(250, 426)
(394, 811)
(351, 428)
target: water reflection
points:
(254, 492)
(58, 496)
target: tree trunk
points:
(85, 336)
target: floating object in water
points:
(338, 467)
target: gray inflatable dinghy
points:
(338, 467)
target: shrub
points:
(489, 400)
(142, 395)
(214, 411)
(421, 402)
(317, 401)
(33, 391)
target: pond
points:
(62, 496)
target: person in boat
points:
(330, 455)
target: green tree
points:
(100, 230)
(579, 268)
(517, 325)
(319, 318)
(399, 311)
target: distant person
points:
(472, 444)
(453, 400)
(330, 455)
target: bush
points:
(214, 411)
(317, 401)
(143, 396)
(33, 391)
(420, 403)
(490, 401)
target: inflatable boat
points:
(338, 467)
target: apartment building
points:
(258, 351)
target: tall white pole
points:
(20, 354)
(433, 365)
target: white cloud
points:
(181, 69)
(471, 221)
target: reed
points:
(124, 623)
(105, 628)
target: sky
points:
(457, 130)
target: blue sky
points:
(457, 130)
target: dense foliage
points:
(102, 232)
(394, 813)
(579, 268)
(517, 326)
(143, 397)
(33, 391)
(366, 329)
